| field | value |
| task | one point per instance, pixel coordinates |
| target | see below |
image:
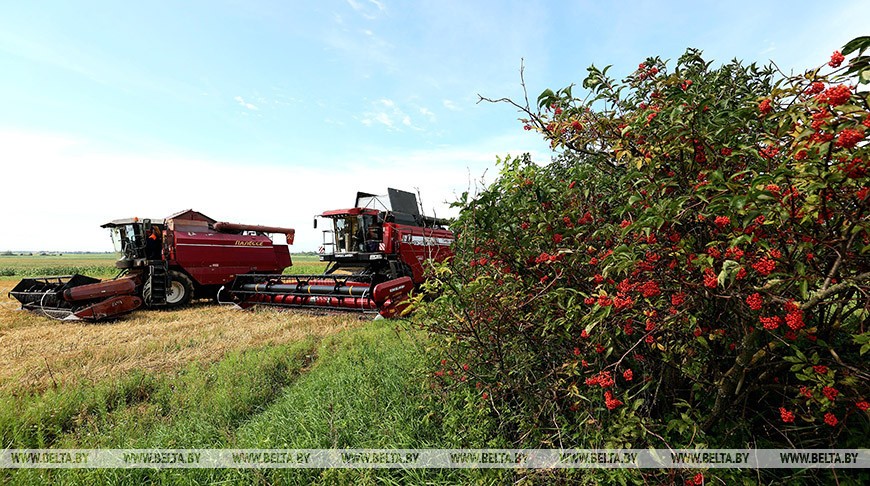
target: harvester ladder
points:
(158, 282)
(328, 246)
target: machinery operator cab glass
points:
(341, 234)
(357, 234)
(117, 240)
(374, 234)
(127, 240)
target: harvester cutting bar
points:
(324, 291)
(303, 288)
(344, 293)
(47, 291)
(77, 297)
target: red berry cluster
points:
(602, 379)
(795, 317)
(771, 323)
(764, 266)
(611, 402)
(755, 301)
(835, 95)
(836, 59)
(710, 279)
(849, 137)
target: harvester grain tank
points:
(375, 253)
(164, 263)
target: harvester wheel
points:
(180, 289)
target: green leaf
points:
(545, 97)
(859, 44)
(729, 269)
(800, 355)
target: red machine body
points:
(213, 253)
(376, 252)
(164, 263)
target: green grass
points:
(306, 265)
(365, 389)
(92, 264)
(145, 410)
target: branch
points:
(824, 293)
(839, 260)
(727, 386)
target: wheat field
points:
(37, 352)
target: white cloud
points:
(369, 9)
(92, 184)
(241, 101)
(450, 105)
(387, 113)
(384, 119)
(362, 48)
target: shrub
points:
(692, 270)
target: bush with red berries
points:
(692, 270)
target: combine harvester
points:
(165, 263)
(376, 251)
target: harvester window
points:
(131, 241)
(356, 234)
(342, 235)
(117, 241)
(373, 235)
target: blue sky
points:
(272, 111)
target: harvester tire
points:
(180, 289)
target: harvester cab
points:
(356, 236)
(136, 241)
(375, 254)
(376, 230)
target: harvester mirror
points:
(315, 223)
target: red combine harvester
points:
(375, 251)
(164, 264)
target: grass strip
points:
(366, 389)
